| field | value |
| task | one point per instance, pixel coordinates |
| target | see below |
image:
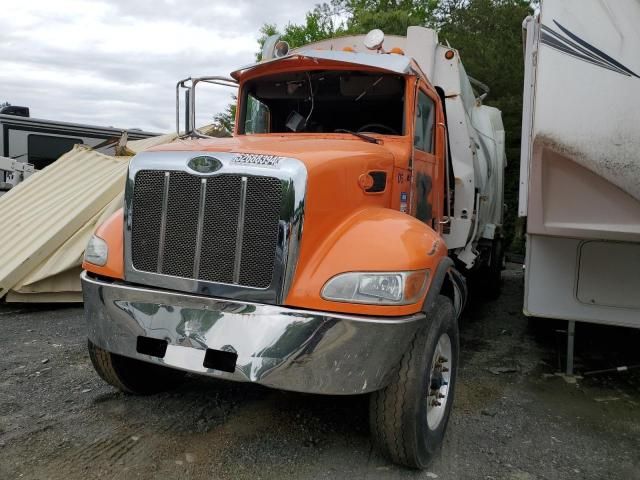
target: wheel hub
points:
(439, 377)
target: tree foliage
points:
(392, 16)
(223, 122)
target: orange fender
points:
(112, 232)
(372, 239)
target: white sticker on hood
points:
(256, 159)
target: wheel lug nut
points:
(436, 403)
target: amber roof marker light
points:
(449, 54)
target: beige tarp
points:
(56, 279)
(137, 146)
(50, 216)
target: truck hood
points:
(315, 151)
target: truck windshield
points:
(324, 102)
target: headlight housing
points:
(377, 288)
(96, 252)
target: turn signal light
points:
(365, 181)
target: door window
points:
(425, 120)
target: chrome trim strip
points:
(163, 221)
(203, 199)
(293, 175)
(291, 349)
(240, 231)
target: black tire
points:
(398, 413)
(133, 376)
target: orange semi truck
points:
(321, 249)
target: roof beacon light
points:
(274, 48)
(374, 39)
(281, 49)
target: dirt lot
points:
(512, 419)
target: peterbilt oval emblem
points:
(204, 164)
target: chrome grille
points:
(147, 196)
(181, 225)
(262, 204)
(171, 208)
(217, 257)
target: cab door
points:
(427, 171)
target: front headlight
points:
(96, 252)
(377, 288)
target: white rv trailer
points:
(39, 143)
(580, 162)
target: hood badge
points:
(204, 164)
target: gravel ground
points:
(513, 418)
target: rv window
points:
(43, 150)
(425, 114)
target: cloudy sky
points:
(116, 62)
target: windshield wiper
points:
(364, 137)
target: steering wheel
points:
(379, 126)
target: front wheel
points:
(131, 375)
(409, 417)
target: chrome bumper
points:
(304, 351)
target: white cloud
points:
(116, 62)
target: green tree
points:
(224, 121)
(391, 16)
(319, 25)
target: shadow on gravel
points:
(35, 307)
(597, 347)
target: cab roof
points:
(388, 62)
